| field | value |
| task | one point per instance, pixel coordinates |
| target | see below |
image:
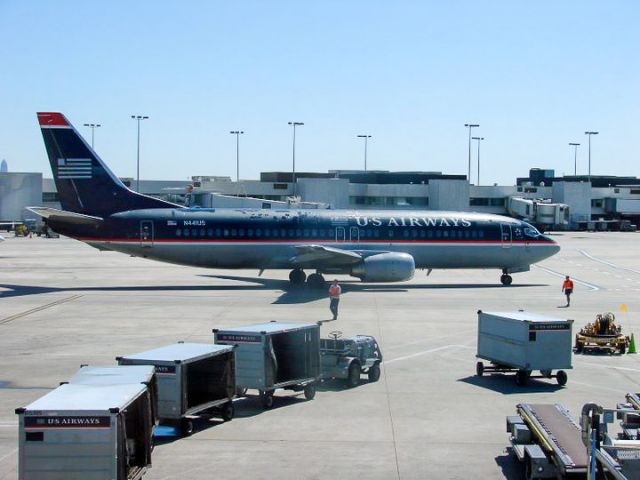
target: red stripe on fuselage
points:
(308, 241)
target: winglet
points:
(52, 119)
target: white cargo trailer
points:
(87, 432)
(192, 378)
(522, 342)
(275, 355)
(119, 375)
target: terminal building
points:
(550, 202)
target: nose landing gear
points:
(506, 279)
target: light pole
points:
(470, 126)
(138, 118)
(366, 137)
(294, 124)
(478, 139)
(590, 133)
(237, 133)
(92, 126)
(575, 158)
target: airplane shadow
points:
(506, 385)
(291, 294)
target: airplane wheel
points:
(297, 276)
(506, 279)
(315, 280)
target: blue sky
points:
(535, 75)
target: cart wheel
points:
(353, 378)
(186, 427)
(227, 411)
(241, 391)
(374, 373)
(561, 377)
(267, 399)
(622, 349)
(522, 377)
(479, 369)
(309, 392)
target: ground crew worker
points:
(567, 288)
(334, 295)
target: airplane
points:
(372, 245)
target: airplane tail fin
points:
(85, 184)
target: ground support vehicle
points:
(348, 358)
(193, 379)
(630, 417)
(522, 342)
(552, 444)
(101, 432)
(275, 355)
(120, 375)
(602, 335)
(548, 440)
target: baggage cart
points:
(118, 375)
(98, 432)
(275, 355)
(522, 342)
(193, 379)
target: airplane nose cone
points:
(552, 246)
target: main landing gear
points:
(505, 278)
(315, 280)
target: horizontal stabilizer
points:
(65, 216)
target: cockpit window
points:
(531, 232)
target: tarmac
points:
(63, 303)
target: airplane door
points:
(505, 230)
(341, 235)
(354, 234)
(146, 233)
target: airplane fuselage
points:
(252, 238)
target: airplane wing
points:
(64, 216)
(314, 256)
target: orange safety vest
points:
(567, 284)
(334, 291)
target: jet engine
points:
(385, 267)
